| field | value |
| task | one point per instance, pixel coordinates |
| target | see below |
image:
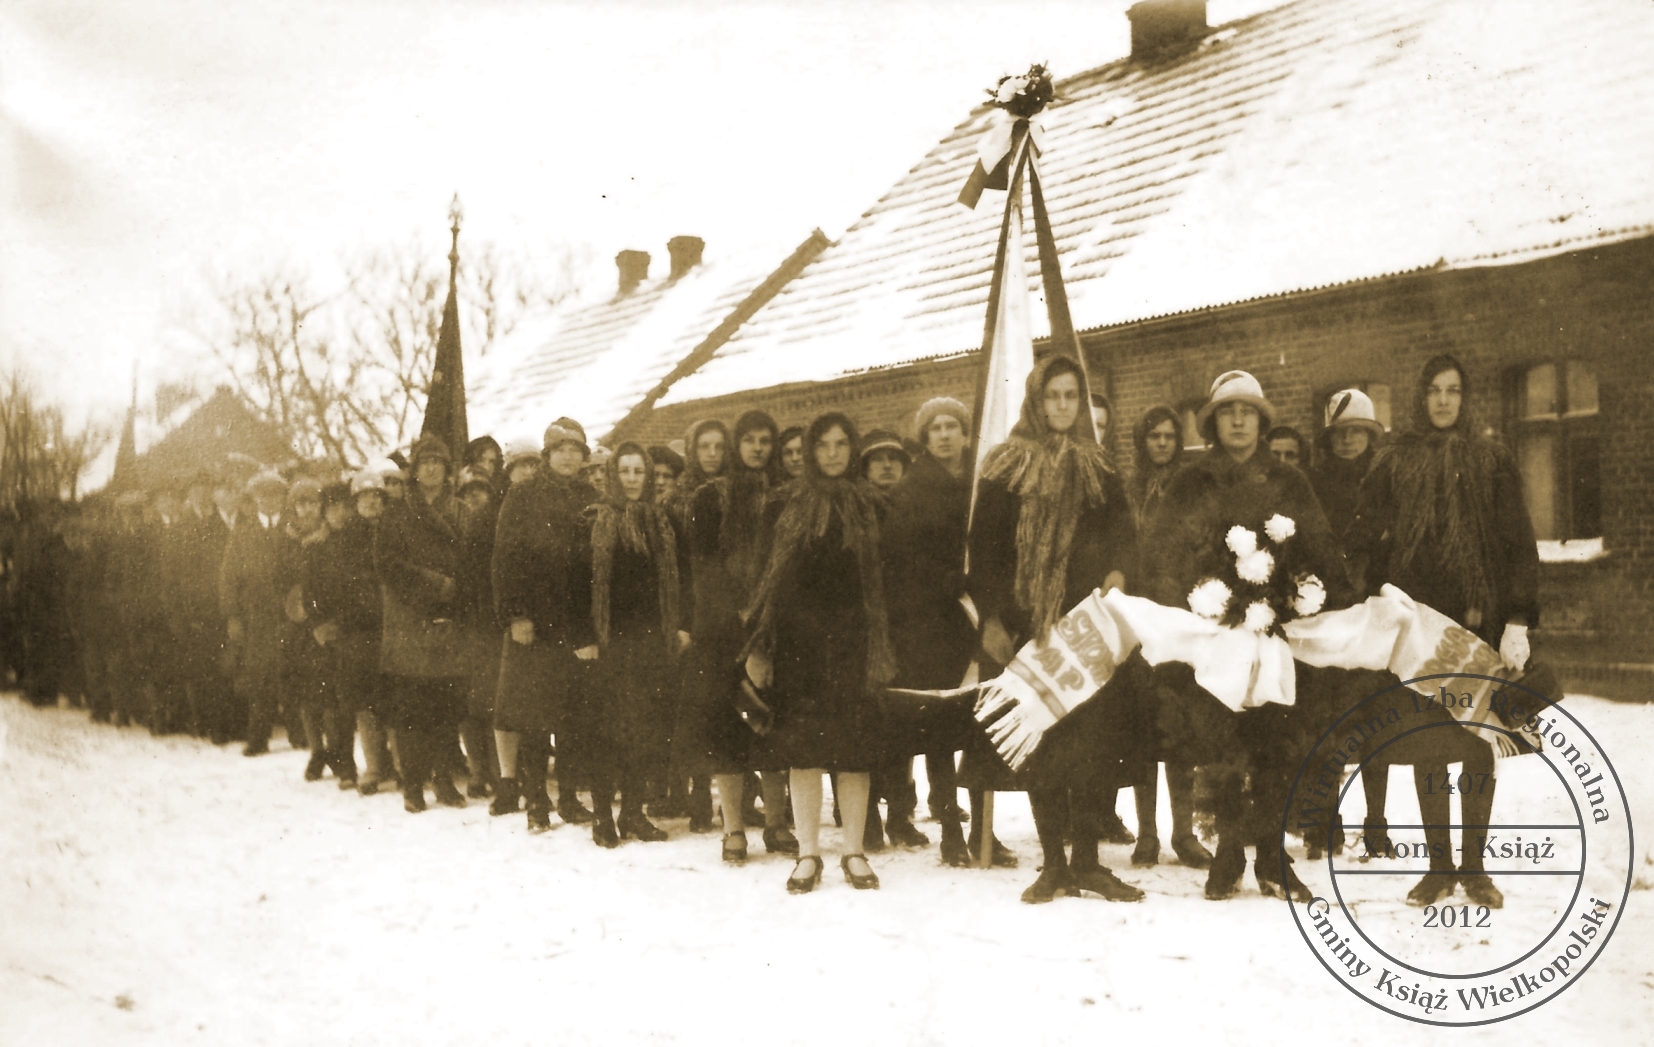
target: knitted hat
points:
(882, 440)
(1232, 387)
(565, 430)
(520, 450)
(430, 447)
(266, 480)
(940, 405)
(367, 480)
(599, 457)
(1352, 408)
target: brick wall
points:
(1596, 306)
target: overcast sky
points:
(147, 145)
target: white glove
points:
(1513, 646)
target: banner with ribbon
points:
(1242, 668)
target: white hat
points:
(1232, 386)
(1352, 407)
(367, 480)
(387, 468)
(266, 478)
(517, 450)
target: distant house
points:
(602, 362)
(223, 425)
(1324, 194)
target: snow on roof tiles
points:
(1319, 143)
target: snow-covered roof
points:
(594, 363)
(1318, 143)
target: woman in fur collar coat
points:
(1052, 523)
(635, 614)
(726, 519)
(1237, 481)
(820, 637)
(1441, 517)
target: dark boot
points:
(412, 748)
(872, 837)
(1435, 811)
(954, 851)
(506, 798)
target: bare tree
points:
(42, 457)
(346, 375)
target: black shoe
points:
(1004, 857)
(477, 789)
(571, 810)
(637, 825)
(313, 770)
(413, 800)
(604, 835)
(779, 840)
(1271, 884)
(869, 882)
(505, 798)
(446, 794)
(347, 783)
(539, 820)
(1113, 830)
(1313, 849)
(256, 749)
(368, 787)
(904, 833)
(1191, 852)
(1224, 877)
(735, 848)
(1434, 887)
(1103, 881)
(1051, 882)
(954, 851)
(700, 823)
(1479, 890)
(804, 882)
(1147, 851)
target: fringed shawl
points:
(642, 528)
(1443, 488)
(812, 503)
(1055, 477)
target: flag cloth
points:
(1243, 669)
(445, 406)
(1010, 348)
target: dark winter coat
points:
(340, 582)
(253, 583)
(1337, 484)
(923, 545)
(416, 556)
(542, 572)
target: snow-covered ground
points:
(163, 891)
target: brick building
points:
(1324, 194)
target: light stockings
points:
(731, 791)
(505, 743)
(774, 789)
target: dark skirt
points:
(536, 686)
(709, 736)
(479, 654)
(633, 680)
(423, 703)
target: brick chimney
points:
(1162, 29)
(685, 252)
(634, 269)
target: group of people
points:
(761, 608)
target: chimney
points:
(634, 269)
(686, 254)
(1162, 29)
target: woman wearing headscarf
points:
(1441, 517)
(417, 556)
(726, 520)
(821, 645)
(706, 457)
(790, 450)
(635, 614)
(1237, 482)
(542, 591)
(1157, 442)
(1052, 523)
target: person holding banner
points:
(1053, 523)
(1238, 483)
(1442, 517)
(820, 644)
